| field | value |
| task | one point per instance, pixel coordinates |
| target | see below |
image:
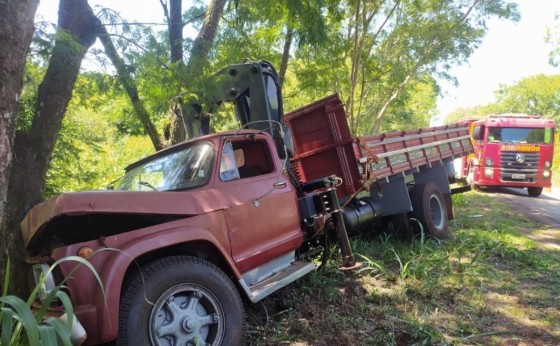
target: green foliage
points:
(381, 57)
(532, 95)
(95, 143)
(463, 114)
(380, 52)
(21, 324)
(32, 78)
(553, 39)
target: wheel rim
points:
(436, 211)
(187, 314)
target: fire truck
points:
(511, 150)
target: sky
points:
(509, 52)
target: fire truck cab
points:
(513, 150)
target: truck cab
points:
(513, 150)
(224, 198)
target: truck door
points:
(262, 216)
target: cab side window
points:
(253, 158)
(228, 164)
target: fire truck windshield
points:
(520, 135)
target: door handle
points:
(280, 184)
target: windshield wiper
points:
(145, 183)
(111, 185)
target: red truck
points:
(195, 229)
(514, 150)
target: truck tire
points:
(428, 207)
(534, 191)
(181, 300)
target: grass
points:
(22, 324)
(488, 284)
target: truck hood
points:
(110, 202)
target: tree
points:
(180, 77)
(75, 34)
(532, 95)
(537, 95)
(381, 49)
(553, 39)
(128, 82)
(174, 17)
(16, 30)
(198, 58)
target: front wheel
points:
(181, 301)
(534, 191)
(428, 207)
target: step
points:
(262, 289)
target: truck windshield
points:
(187, 168)
(520, 135)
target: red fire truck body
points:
(513, 150)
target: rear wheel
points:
(181, 301)
(534, 191)
(428, 207)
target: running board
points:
(262, 289)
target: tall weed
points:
(21, 324)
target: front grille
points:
(520, 167)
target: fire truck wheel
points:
(534, 191)
(181, 300)
(428, 207)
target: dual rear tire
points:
(430, 209)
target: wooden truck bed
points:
(324, 145)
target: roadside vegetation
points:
(488, 284)
(23, 322)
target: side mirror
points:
(478, 133)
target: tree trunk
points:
(129, 85)
(16, 30)
(199, 55)
(75, 34)
(175, 25)
(205, 38)
(177, 131)
(286, 53)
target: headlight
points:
(489, 172)
(85, 252)
(546, 174)
(489, 162)
(547, 164)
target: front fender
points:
(96, 307)
(114, 268)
